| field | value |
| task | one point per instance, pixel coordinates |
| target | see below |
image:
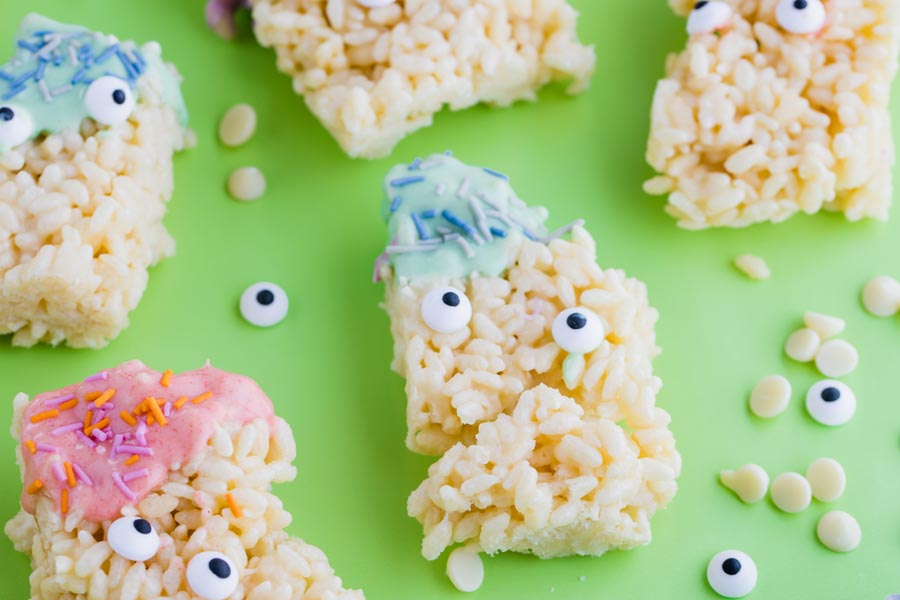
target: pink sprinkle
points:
(101, 376)
(59, 400)
(99, 435)
(128, 449)
(126, 491)
(135, 474)
(167, 409)
(58, 471)
(66, 428)
(46, 447)
(85, 439)
(140, 433)
(81, 475)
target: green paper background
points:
(325, 367)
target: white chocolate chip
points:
(465, 569)
(237, 125)
(803, 345)
(827, 479)
(881, 296)
(750, 482)
(247, 184)
(836, 358)
(770, 396)
(826, 326)
(791, 492)
(752, 266)
(839, 531)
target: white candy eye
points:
(708, 17)
(831, 402)
(578, 330)
(375, 3)
(801, 16)
(15, 125)
(109, 100)
(731, 574)
(446, 310)
(212, 576)
(133, 538)
(264, 304)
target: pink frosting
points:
(104, 483)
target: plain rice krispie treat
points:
(141, 484)
(375, 71)
(528, 368)
(777, 107)
(88, 126)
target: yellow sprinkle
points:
(43, 416)
(202, 397)
(68, 404)
(35, 486)
(32, 447)
(70, 474)
(105, 397)
(131, 460)
(180, 402)
(166, 378)
(64, 501)
(234, 506)
(126, 416)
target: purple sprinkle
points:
(130, 449)
(59, 400)
(46, 447)
(135, 474)
(140, 432)
(498, 232)
(82, 476)
(85, 439)
(167, 409)
(429, 214)
(454, 220)
(420, 227)
(403, 181)
(496, 174)
(99, 435)
(66, 429)
(58, 471)
(126, 491)
(102, 375)
(395, 203)
(415, 164)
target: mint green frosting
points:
(447, 219)
(54, 63)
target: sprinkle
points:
(496, 174)
(167, 409)
(35, 486)
(106, 54)
(498, 232)
(13, 92)
(132, 459)
(105, 397)
(126, 491)
(73, 58)
(32, 447)
(448, 152)
(46, 447)
(234, 506)
(98, 425)
(154, 408)
(395, 203)
(64, 501)
(82, 476)
(68, 404)
(180, 402)
(87, 421)
(70, 474)
(99, 434)
(404, 181)
(5, 76)
(430, 163)
(85, 439)
(429, 214)
(61, 90)
(132, 71)
(139, 58)
(415, 164)
(59, 400)
(91, 396)
(139, 432)
(420, 226)
(202, 397)
(135, 474)
(128, 418)
(463, 188)
(26, 46)
(403, 249)
(480, 219)
(41, 69)
(58, 471)
(439, 189)
(101, 376)
(563, 230)
(454, 220)
(49, 47)
(530, 235)
(166, 378)
(467, 249)
(66, 429)
(131, 449)
(43, 416)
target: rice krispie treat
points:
(141, 484)
(373, 71)
(88, 126)
(528, 370)
(776, 107)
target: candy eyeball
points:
(801, 16)
(707, 17)
(212, 576)
(830, 402)
(376, 3)
(264, 304)
(578, 330)
(133, 538)
(16, 125)
(446, 310)
(731, 574)
(109, 100)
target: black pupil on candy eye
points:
(265, 297)
(831, 394)
(118, 97)
(800, 4)
(142, 526)
(450, 299)
(731, 566)
(219, 568)
(576, 321)
(6, 114)
(700, 4)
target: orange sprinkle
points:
(70, 474)
(150, 420)
(64, 501)
(180, 402)
(202, 397)
(105, 397)
(87, 421)
(91, 396)
(35, 486)
(234, 506)
(98, 425)
(131, 460)
(43, 416)
(154, 408)
(166, 378)
(126, 416)
(68, 404)
(32, 447)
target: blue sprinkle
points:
(21, 79)
(420, 227)
(43, 32)
(26, 46)
(415, 164)
(496, 174)
(429, 214)
(454, 220)
(448, 153)
(79, 76)
(497, 232)
(58, 59)
(42, 66)
(129, 68)
(106, 54)
(139, 59)
(529, 235)
(402, 181)
(5, 76)
(13, 92)
(395, 203)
